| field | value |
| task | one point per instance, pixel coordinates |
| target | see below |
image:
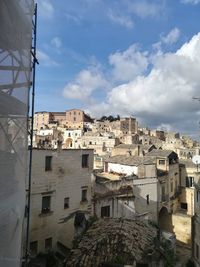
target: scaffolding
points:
(17, 60)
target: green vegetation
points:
(110, 118)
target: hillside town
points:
(104, 191)
(88, 170)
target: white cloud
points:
(125, 21)
(193, 2)
(169, 39)
(56, 42)
(74, 18)
(144, 8)
(172, 37)
(164, 96)
(45, 59)
(46, 9)
(128, 64)
(84, 84)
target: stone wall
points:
(66, 179)
(182, 227)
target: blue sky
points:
(127, 57)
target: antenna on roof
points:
(196, 160)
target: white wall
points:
(142, 188)
(125, 169)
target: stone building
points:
(128, 125)
(120, 127)
(132, 150)
(189, 173)
(101, 143)
(129, 139)
(187, 153)
(190, 204)
(113, 196)
(43, 118)
(159, 134)
(196, 226)
(61, 191)
(150, 140)
(71, 137)
(47, 138)
(188, 141)
(127, 187)
(75, 119)
(167, 165)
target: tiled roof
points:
(130, 160)
(160, 153)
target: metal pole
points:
(33, 52)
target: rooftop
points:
(125, 146)
(188, 163)
(160, 153)
(110, 176)
(130, 160)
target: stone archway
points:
(69, 142)
(165, 220)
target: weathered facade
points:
(61, 189)
(101, 143)
(75, 119)
(44, 118)
(132, 149)
(128, 188)
(70, 138)
(196, 225)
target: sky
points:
(136, 58)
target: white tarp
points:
(15, 76)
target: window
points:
(74, 118)
(172, 186)
(33, 248)
(183, 206)
(198, 196)
(48, 243)
(84, 195)
(74, 112)
(163, 194)
(197, 251)
(85, 160)
(66, 202)
(189, 181)
(161, 162)
(105, 211)
(147, 197)
(46, 202)
(176, 185)
(48, 163)
(90, 143)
